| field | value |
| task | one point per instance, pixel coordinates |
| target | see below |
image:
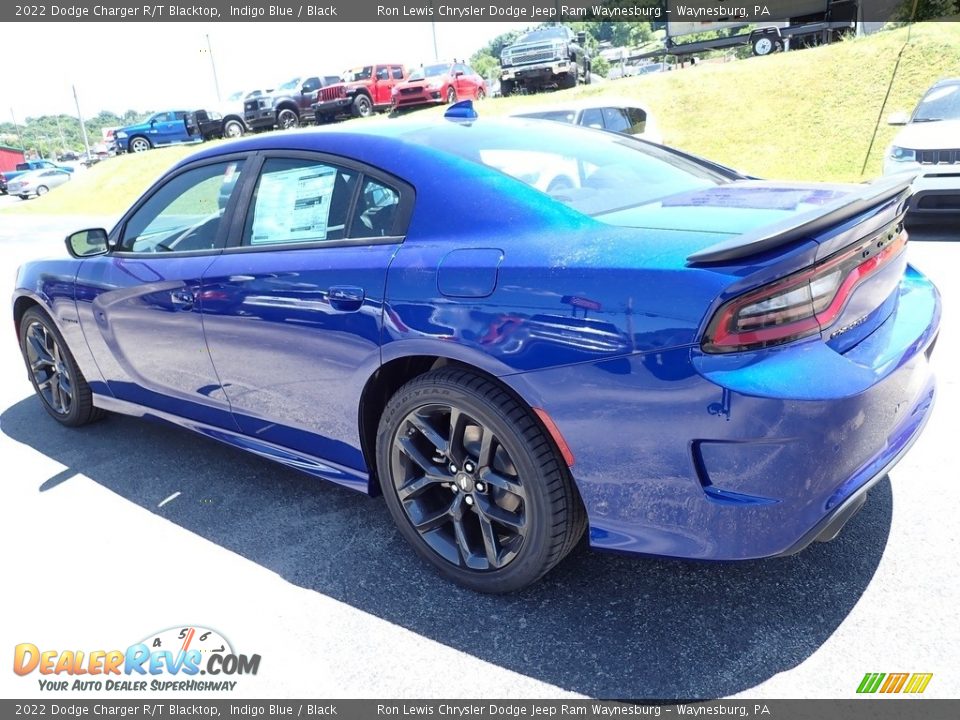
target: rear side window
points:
(592, 117)
(397, 73)
(376, 211)
(615, 119)
(299, 201)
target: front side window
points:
(185, 213)
(592, 117)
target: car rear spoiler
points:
(808, 224)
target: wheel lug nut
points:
(453, 486)
(468, 467)
(481, 487)
(453, 468)
(468, 500)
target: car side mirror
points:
(87, 243)
(458, 73)
(898, 118)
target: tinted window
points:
(555, 115)
(376, 211)
(592, 117)
(299, 201)
(615, 119)
(383, 74)
(311, 84)
(397, 73)
(185, 213)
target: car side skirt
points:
(324, 469)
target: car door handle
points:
(182, 299)
(346, 297)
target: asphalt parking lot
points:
(314, 578)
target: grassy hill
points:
(805, 115)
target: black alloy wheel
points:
(54, 373)
(474, 483)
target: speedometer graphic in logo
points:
(186, 638)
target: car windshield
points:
(358, 74)
(233, 97)
(941, 103)
(430, 71)
(290, 84)
(566, 116)
(597, 173)
(542, 34)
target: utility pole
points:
(63, 140)
(17, 128)
(83, 128)
(216, 83)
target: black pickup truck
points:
(288, 106)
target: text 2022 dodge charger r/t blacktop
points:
(686, 362)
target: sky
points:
(153, 66)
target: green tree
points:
(600, 66)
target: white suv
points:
(929, 145)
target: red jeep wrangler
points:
(364, 91)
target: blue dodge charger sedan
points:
(514, 330)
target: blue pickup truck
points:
(27, 166)
(162, 128)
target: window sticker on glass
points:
(293, 205)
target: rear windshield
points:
(594, 172)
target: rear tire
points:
(54, 374)
(233, 129)
(475, 483)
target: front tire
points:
(362, 106)
(451, 95)
(139, 144)
(42, 190)
(54, 374)
(474, 482)
(287, 119)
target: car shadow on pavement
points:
(600, 624)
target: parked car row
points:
(33, 177)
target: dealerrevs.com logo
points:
(172, 659)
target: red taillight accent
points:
(803, 303)
(554, 431)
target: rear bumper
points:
(733, 458)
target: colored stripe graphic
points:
(894, 682)
(870, 682)
(918, 682)
(914, 683)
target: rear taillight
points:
(803, 303)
